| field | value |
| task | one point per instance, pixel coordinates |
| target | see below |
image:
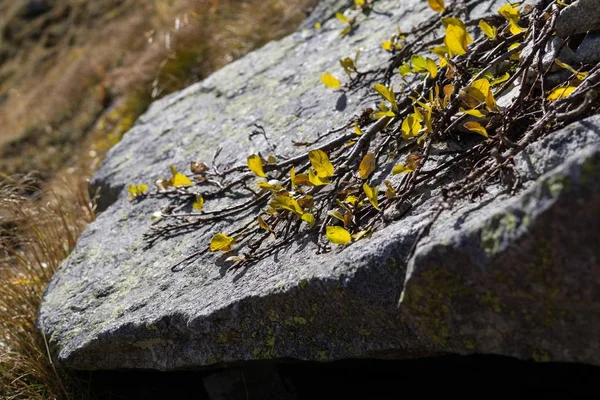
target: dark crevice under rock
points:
(352, 379)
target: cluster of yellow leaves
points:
(478, 93)
(321, 168)
(457, 38)
(512, 15)
(395, 42)
(410, 164)
(349, 23)
(389, 95)
(177, 180)
(137, 190)
(255, 165)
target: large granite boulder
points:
(516, 274)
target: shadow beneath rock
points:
(351, 379)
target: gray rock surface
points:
(579, 17)
(589, 50)
(515, 275)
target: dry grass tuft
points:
(37, 231)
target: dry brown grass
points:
(56, 99)
(37, 231)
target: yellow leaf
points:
(387, 45)
(137, 190)
(142, 188)
(490, 102)
(372, 195)
(448, 89)
(342, 17)
(330, 81)
(476, 127)
(272, 185)
(263, 224)
(199, 203)
(293, 176)
(357, 129)
(401, 169)
(336, 214)
(441, 51)
(321, 163)
(367, 166)
(489, 31)
(513, 16)
(299, 179)
(255, 165)
(471, 96)
(432, 68)
(413, 160)
(411, 125)
(272, 160)
(287, 203)
(180, 180)
(338, 235)
(437, 5)
(514, 28)
(315, 180)
(560, 93)
(221, 242)
(309, 219)
(473, 112)
(317, 25)
(382, 114)
(501, 79)
(508, 12)
(346, 30)
(361, 234)
(390, 192)
(580, 75)
(404, 69)
(359, 3)
(387, 94)
(348, 65)
(483, 85)
(351, 199)
(419, 63)
(306, 201)
(516, 55)
(456, 39)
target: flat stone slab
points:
(516, 274)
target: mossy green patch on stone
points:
(300, 320)
(469, 344)
(491, 299)
(495, 231)
(541, 355)
(303, 283)
(429, 297)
